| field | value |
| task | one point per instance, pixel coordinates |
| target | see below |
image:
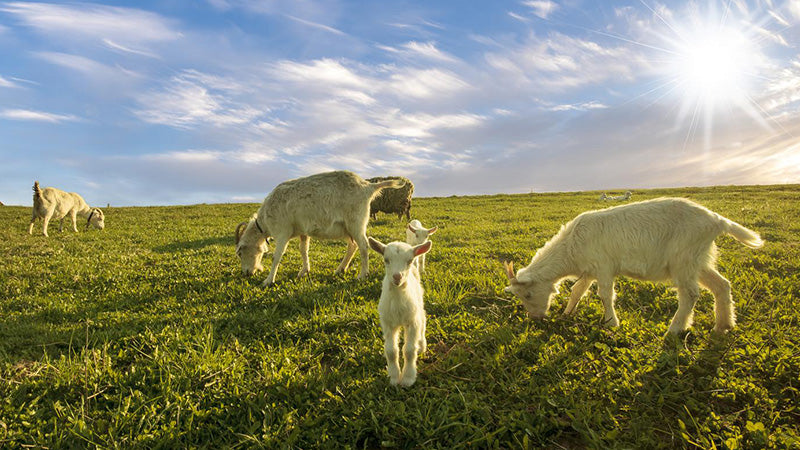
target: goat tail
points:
(375, 188)
(746, 236)
(37, 192)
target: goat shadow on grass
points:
(683, 380)
(173, 247)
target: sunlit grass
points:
(146, 335)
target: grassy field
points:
(147, 335)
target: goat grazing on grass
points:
(392, 201)
(654, 240)
(417, 234)
(331, 205)
(51, 203)
(401, 306)
(625, 196)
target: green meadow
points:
(146, 335)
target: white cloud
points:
(82, 20)
(316, 25)
(36, 116)
(82, 64)
(564, 62)
(7, 83)
(426, 50)
(327, 71)
(114, 46)
(541, 8)
(585, 106)
(192, 98)
(426, 83)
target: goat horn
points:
(509, 266)
(239, 231)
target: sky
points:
(182, 102)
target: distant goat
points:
(392, 201)
(417, 234)
(401, 306)
(331, 205)
(654, 240)
(602, 197)
(625, 196)
(51, 203)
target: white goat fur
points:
(54, 204)
(401, 306)
(417, 234)
(330, 205)
(654, 240)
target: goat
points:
(653, 240)
(330, 205)
(51, 203)
(625, 196)
(417, 234)
(401, 306)
(392, 201)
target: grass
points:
(146, 335)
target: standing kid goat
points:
(51, 203)
(330, 205)
(417, 234)
(401, 306)
(654, 240)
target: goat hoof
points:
(406, 382)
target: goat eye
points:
(386, 260)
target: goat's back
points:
(315, 203)
(59, 201)
(648, 239)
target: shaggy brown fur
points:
(392, 201)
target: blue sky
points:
(179, 102)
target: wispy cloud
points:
(541, 8)
(562, 62)
(6, 83)
(427, 50)
(316, 25)
(36, 116)
(193, 98)
(83, 20)
(114, 46)
(585, 106)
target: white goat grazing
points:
(625, 196)
(51, 203)
(417, 234)
(401, 305)
(331, 205)
(655, 240)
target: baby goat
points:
(654, 240)
(51, 203)
(417, 234)
(401, 305)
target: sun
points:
(713, 66)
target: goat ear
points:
(509, 266)
(433, 230)
(239, 231)
(422, 248)
(376, 245)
